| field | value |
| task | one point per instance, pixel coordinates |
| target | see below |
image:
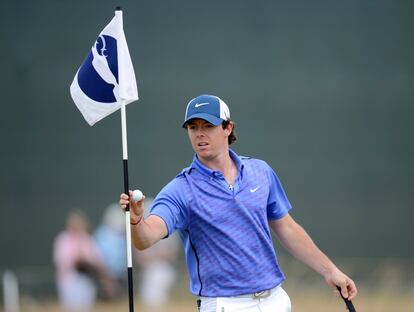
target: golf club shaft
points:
(348, 303)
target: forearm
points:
(302, 247)
(298, 243)
(144, 232)
(295, 239)
(147, 232)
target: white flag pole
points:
(127, 212)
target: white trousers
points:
(277, 301)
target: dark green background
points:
(322, 90)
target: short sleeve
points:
(171, 205)
(278, 204)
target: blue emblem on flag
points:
(98, 75)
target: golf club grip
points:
(348, 303)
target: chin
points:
(205, 154)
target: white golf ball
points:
(137, 195)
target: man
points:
(223, 206)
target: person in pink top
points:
(79, 266)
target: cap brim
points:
(207, 117)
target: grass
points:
(308, 301)
(384, 286)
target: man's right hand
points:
(136, 208)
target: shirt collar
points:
(198, 165)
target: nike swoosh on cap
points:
(200, 104)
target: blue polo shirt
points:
(224, 229)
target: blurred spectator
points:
(79, 266)
(157, 268)
(111, 242)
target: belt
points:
(260, 294)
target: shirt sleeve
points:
(278, 204)
(171, 205)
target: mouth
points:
(202, 144)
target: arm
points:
(146, 232)
(295, 240)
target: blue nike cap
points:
(208, 107)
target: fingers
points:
(336, 291)
(124, 200)
(347, 288)
(344, 290)
(352, 290)
(342, 285)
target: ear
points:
(229, 128)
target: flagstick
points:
(127, 212)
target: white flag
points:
(106, 79)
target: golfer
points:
(223, 206)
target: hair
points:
(232, 137)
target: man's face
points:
(208, 141)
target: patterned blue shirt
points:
(224, 229)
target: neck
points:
(224, 164)
(219, 161)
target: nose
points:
(199, 132)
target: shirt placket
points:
(218, 176)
